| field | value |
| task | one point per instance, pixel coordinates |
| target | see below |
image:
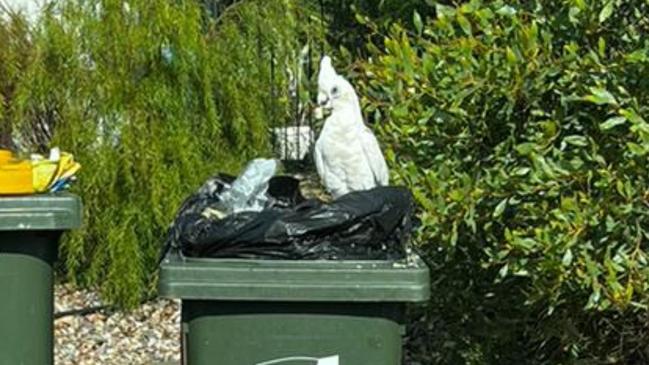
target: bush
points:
(344, 29)
(152, 98)
(522, 131)
(14, 57)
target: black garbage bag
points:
(364, 225)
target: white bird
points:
(347, 155)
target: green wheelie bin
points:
(30, 228)
(266, 312)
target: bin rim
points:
(411, 261)
(40, 212)
(295, 280)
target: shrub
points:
(521, 128)
(14, 57)
(345, 31)
(152, 97)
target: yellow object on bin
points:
(5, 156)
(38, 175)
(43, 174)
(16, 178)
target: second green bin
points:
(264, 312)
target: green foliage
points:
(152, 98)
(346, 19)
(14, 57)
(523, 130)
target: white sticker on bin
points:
(330, 360)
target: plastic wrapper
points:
(248, 191)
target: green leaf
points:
(521, 171)
(500, 208)
(454, 234)
(612, 123)
(567, 258)
(636, 149)
(573, 13)
(600, 97)
(594, 298)
(525, 148)
(541, 162)
(641, 306)
(511, 56)
(632, 116)
(456, 195)
(638, 56)
(485, 14)
(506, 11)
(419, 24)
(522, 273)
(464, 24)
(575, 140)
(361, 19)
(503, 271)
(606, 11)
(444, 11)
(524, 243)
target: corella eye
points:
(334, 90)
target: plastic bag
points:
(248, 191)
(365, 225)
(204, 207)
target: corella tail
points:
(331, 360)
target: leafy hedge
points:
(152, 97)
(522, 129)
(14, 56)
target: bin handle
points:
(323, 361)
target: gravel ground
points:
(149, 335)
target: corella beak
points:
(323, 101)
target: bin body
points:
(246, 312)
(30, 228)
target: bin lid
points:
(281, 280)
(40, 212)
